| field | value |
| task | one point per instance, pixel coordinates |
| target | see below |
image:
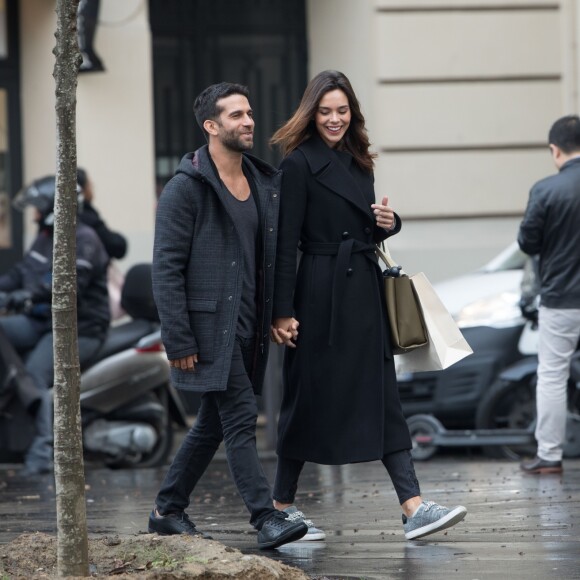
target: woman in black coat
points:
(341, 403)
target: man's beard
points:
(233, 141)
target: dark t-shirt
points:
(246, 219)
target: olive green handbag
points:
(408, 330)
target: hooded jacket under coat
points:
(341, 403)
(198, 270)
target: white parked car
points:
(485, 305)
(488, 296)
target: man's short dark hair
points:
(205, 106)
(565, 134)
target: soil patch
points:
(147, 556)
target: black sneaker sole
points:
(166, 531)
(291, 535)
(202, 535)
(152, 531)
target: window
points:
(3, 31)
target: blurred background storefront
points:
(458, 96)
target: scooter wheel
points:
(509, 405)
(159, 454)
(572, 443)
(421, 429)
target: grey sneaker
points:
(313, 533)
(430, 518)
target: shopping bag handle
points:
(393, 269)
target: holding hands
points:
(384, 214)
(285, 331)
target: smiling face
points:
(332, 117)
(234, 127)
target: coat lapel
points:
(328, 170)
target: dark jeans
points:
(229, 415)
(32, 339)
(399, 466)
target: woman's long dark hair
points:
(300, 126)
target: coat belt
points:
(343, 251)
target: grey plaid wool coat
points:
(198, 270)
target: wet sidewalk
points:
(518, 526)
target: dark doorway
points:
(10, 137)
(258, 43)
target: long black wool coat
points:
(340, 402)
(198, 270)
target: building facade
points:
(458, 96)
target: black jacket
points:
(551, 229)
(115, 244)
(34, 273)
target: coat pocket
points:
(202, 319)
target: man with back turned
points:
(550, 229)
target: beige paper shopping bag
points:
(446, 343)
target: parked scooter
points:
(128, 406)
(510, 403)
(485, 306)
(506, 415)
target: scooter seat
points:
(125, 336)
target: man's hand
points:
(384, 214)
(185, 364)
(285, 331)
(529, 309)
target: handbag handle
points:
(393, 269)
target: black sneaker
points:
(172, 524)
(278, 531)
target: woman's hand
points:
(285, 331)
(384, 214)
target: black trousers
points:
(231, 416)
(399, 465)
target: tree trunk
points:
(72, 542)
